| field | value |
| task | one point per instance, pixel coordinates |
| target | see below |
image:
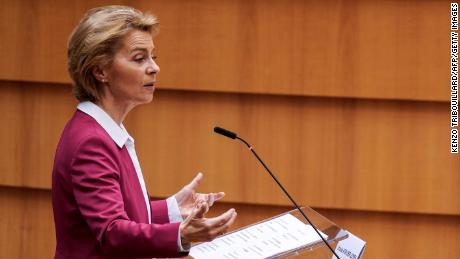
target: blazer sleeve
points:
(159, 210)
(95, 181)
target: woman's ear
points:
(99, 74)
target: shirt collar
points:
(117, 132)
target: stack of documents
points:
(263, 240)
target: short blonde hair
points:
(96, 39)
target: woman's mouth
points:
(150, 85)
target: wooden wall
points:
(347, 101)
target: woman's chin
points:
(149, 98)
(144, 99)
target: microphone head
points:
(225, 132)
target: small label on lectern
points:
(350, 248)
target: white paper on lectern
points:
(262, 240)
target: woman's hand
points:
(197, 228)
(187, 197)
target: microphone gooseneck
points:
(233, 135)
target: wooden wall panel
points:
(34, 116)
(28, 229)
(26, 221)
(34, 39)
(326, 48)
(384, 49)
(333, 153)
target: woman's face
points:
(130, 80)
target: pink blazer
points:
(99, 209)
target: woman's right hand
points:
(197, 228)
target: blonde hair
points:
(96, 39)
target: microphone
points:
(225, 132)
(233, 135)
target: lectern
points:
(250, 242)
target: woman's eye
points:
(139, 58)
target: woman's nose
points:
(153, 67)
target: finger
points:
(201, 208)
(199, 197)
(206, 198)
(224, 228)
(194, 183)
(217, 196)
(210, 198)
(221, 219)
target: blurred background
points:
(348, 102)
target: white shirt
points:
(122, 138)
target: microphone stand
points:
(233, 135)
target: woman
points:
(100, 202)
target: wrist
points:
(182, 233)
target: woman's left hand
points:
(187, 197)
